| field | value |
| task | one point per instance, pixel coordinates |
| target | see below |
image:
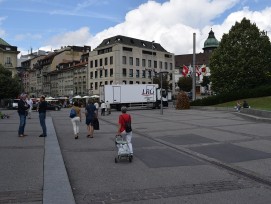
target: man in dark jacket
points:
(42, 115)
(22, 111)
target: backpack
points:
(72, 113)
(128, 126)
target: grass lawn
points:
(263, 103)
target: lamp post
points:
(152, 69)
(161, 86)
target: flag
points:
(198, 71)
(190, 70)
(203, 69)
(185, 70)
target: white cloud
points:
(171, 24)
(79, 37)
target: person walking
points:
(96, 104)
(42, 115)
(108, 108)
(75, 120)
(30, 103)
(90, 115)
(103, 106)
(123, 119)
(22, 111)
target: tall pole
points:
(152, 62)
(161, 98)
(194, 67)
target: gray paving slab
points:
(231, 153)
(56, 188)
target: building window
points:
(143, 63)
(131, 72)
(149, 74)
(105, 61)
(96, 63)
(149, 63)
(155, 64)
(96, 74)
(143, 74)
(106, 82)
(96, 85)
(137, 73)
(111, 72)
(124, 72)
(123, 59)
(165, 65)
(160, 64)
(101, 62)
(170, 66)
(137, 62)
(91, 64)
(111, 60)
(124, 82)
(131, 61)
(106, 73)
(131, 82)
(91, 75)
(101, 73)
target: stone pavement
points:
(188, 156)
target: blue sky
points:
(50, 24)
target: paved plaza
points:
(182, 156)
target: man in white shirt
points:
(103, 107)
(30, 103)
(108, 107)
(96, 104)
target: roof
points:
(201, 58)
(119, 39)
(2, 42)
(211, 40)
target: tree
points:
(205, 81)
(185, 83)
(242, 60)
(157, 80)
(9, 87)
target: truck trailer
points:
(132, 95)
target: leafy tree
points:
(205, 81)
(185, 83)
(9, 87)
(157, 80)
(242, 60)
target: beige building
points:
(42, 68)
(8, 56)
(125, 60)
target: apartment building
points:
(8, 56)
(125, 60)
(40, 70)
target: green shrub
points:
(260, 91)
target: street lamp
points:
(161, 85)
(152, 72)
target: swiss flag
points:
(203, 69)
(198, 71)
(185, 70)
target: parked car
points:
(50, 106)
(13, 103)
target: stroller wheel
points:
(130, 159)
(116, 160)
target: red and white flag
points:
(185, 70)
(198, 71)
(203, 69)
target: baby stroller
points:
(123, 150)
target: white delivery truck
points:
(131, 95)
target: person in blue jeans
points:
(22, 111)
(42, 115)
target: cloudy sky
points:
(50, 24)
